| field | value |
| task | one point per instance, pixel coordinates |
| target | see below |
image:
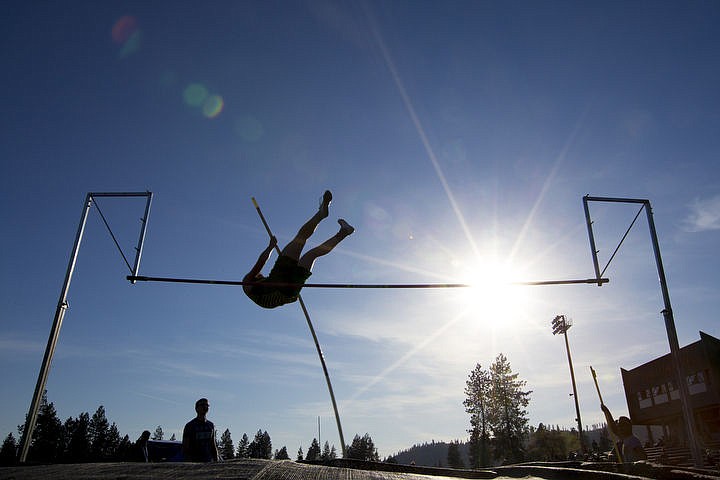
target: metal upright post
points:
(593, 249)
(674, 346)
(141, 240)
(53, 338)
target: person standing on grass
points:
(198, 443)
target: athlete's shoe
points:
(345, 228)
(325, 203)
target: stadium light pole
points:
(561, 325)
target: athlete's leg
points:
(324, 248)
(294, 248)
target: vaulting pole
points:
(315, 339)
(615, 444)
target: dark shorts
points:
(285, 270)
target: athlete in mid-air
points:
(292, 268)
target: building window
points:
(660, 394)
(696, 383)
(644, 399)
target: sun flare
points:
(493, 294)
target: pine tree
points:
(454, 459)
(605, 442)
(507, 415)
(113, 443)
(261, 446)
(266, 446)
(123, 452)
(299, 457)
(8, 452)
(477, 391)
(281, 454)
(328, 453)
(547, 445)
(363, 448)
(242, 448)
(98, 431)
(78, 449)
(158, 435)
(227, 449)
(313, 452)
(46, 444)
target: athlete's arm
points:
(261, 261)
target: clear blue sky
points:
(454, 135)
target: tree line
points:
(87, 438)
(81, 439)
(543, 443)
(361, 448)
(495, 398)
(497, 402)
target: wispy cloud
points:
(14, 345)
(161, 399)
(704, 215)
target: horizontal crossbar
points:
(141, 278)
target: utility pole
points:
(561, 325)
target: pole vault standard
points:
(62, 307)
(667, 313)
(315, 339)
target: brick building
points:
(653, 398)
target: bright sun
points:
(492, 295)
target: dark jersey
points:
(199, 436)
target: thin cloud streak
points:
(15, 346)
(420, 130)
(548, 183)
(408, 355)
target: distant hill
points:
(433, 454)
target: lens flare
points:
(195, 94)
(126, 33)
(132, 45)
(212, 106)
(123, 29)
(249, 128)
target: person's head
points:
(145, 435)
(202, 406)
(624, 426)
